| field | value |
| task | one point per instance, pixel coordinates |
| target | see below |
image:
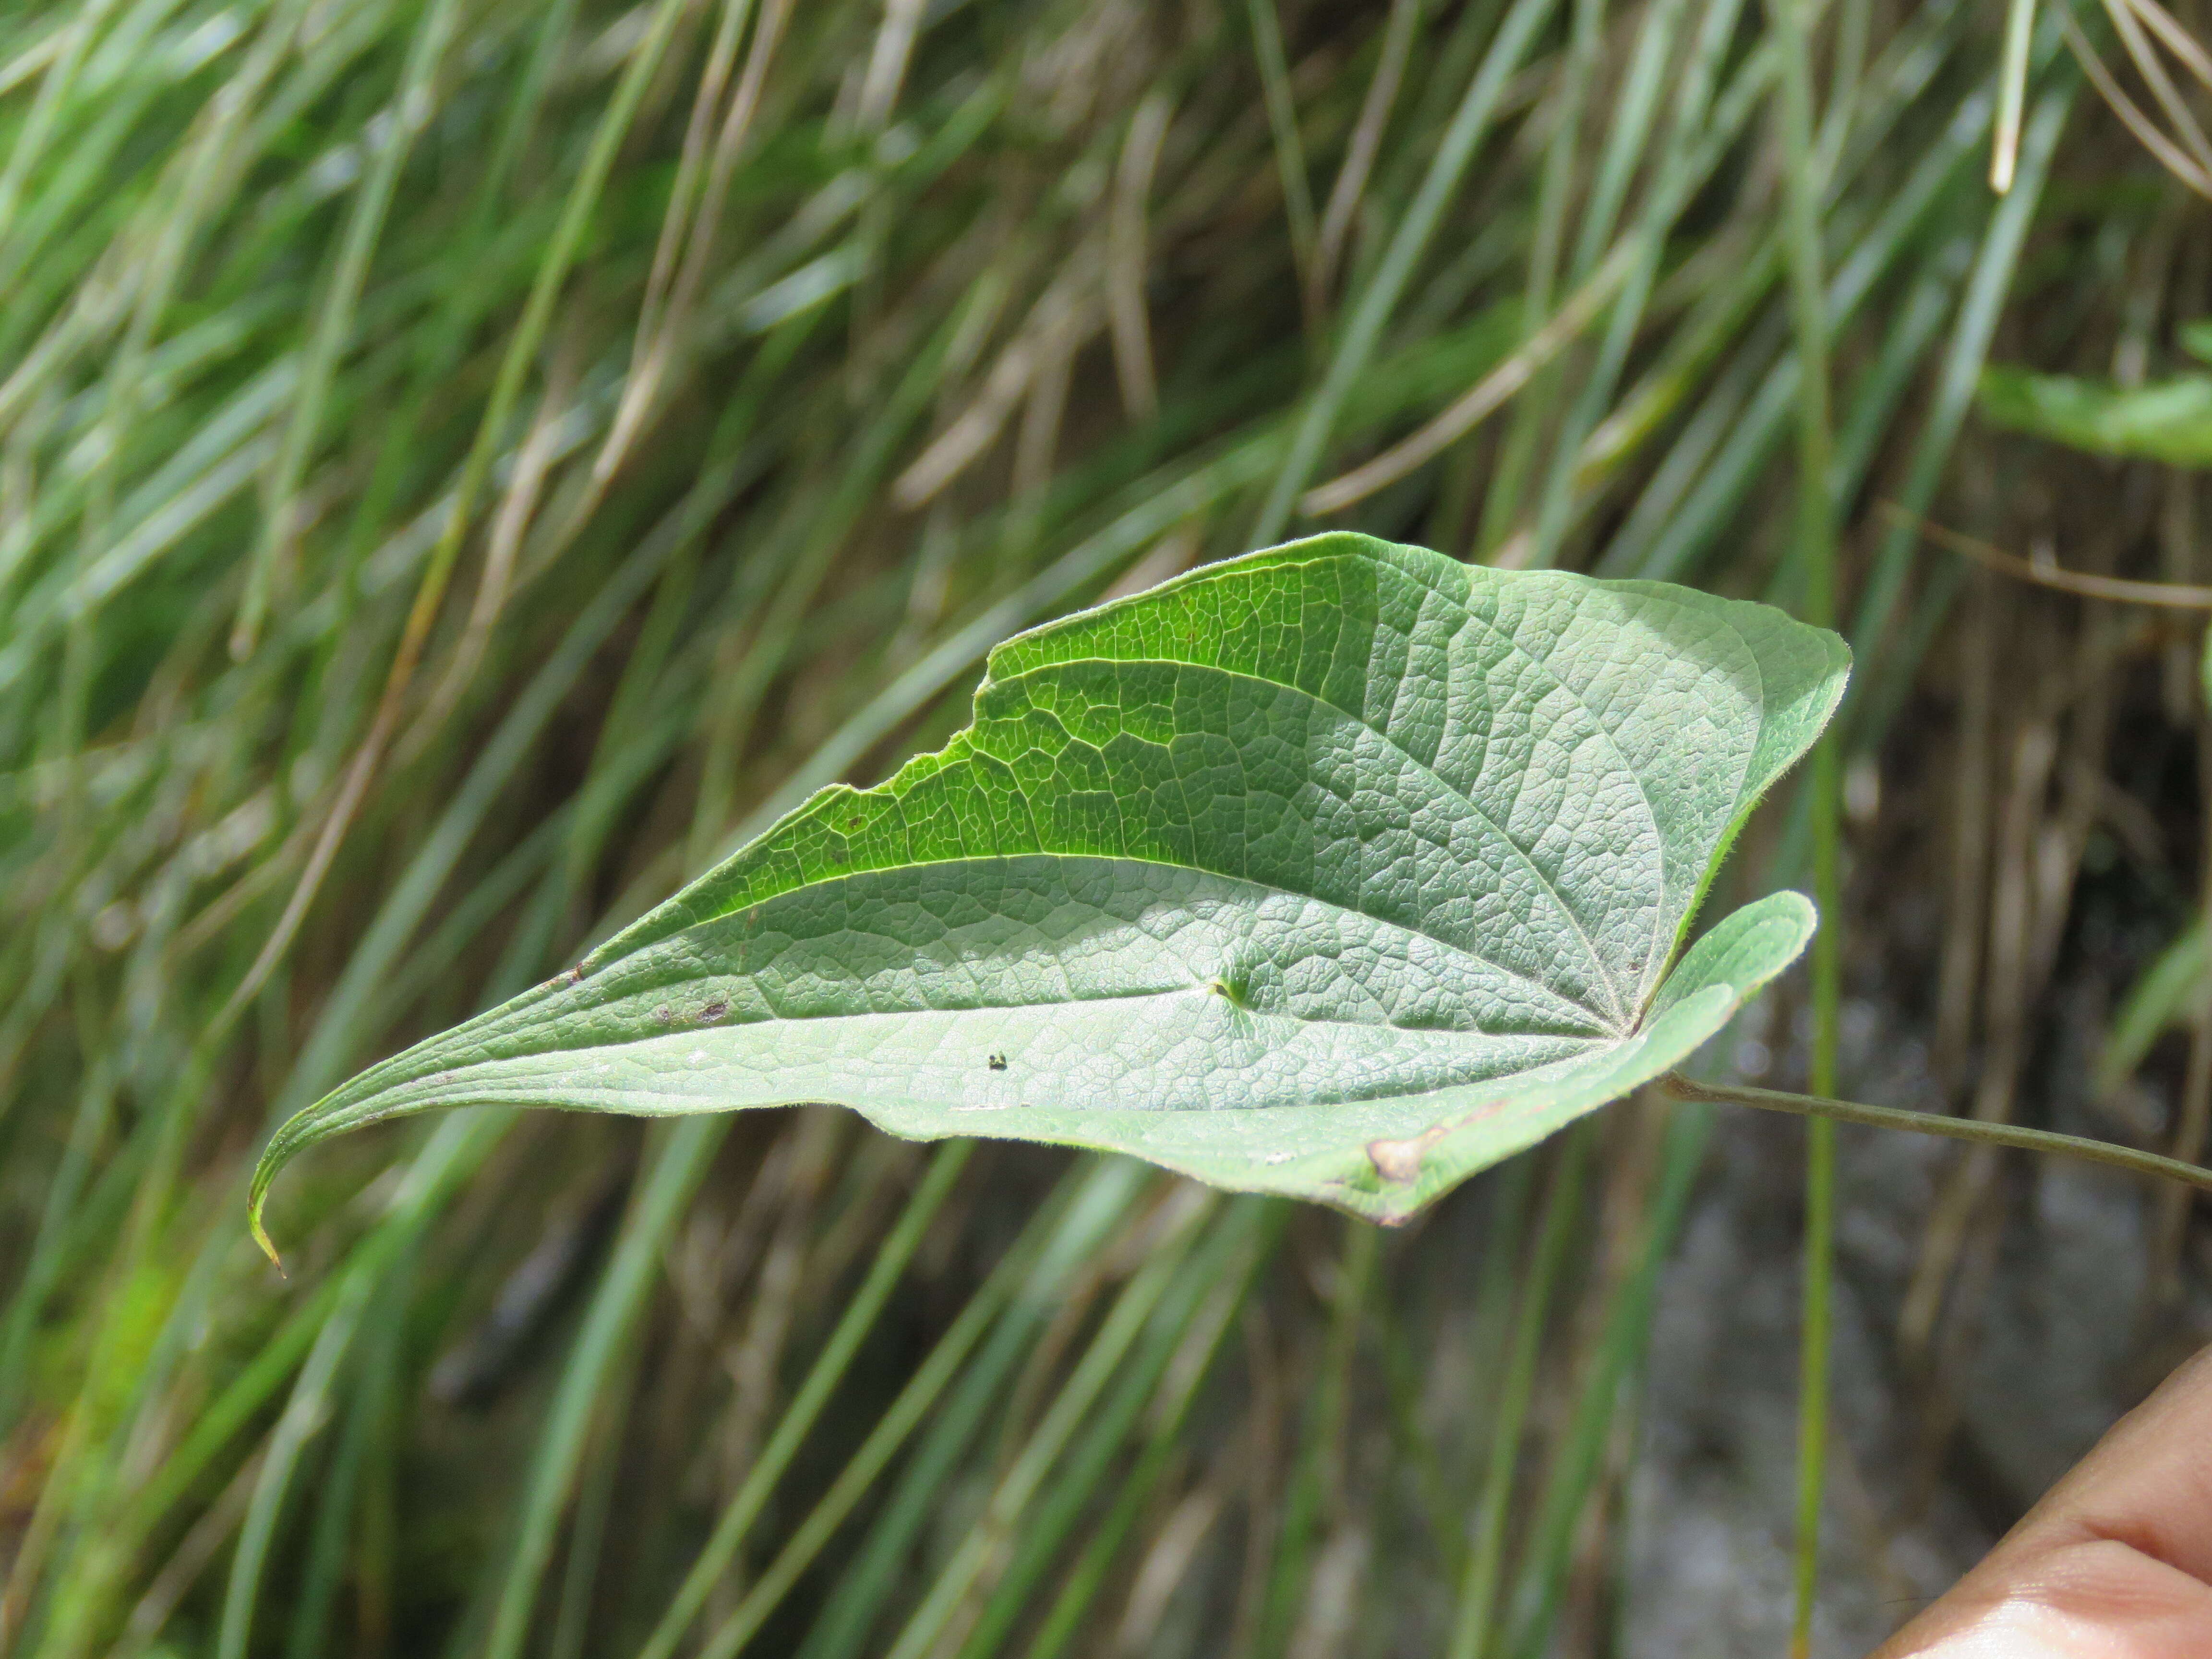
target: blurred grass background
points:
(466, 465)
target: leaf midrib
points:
(1594, 1040)
(1604, 1028)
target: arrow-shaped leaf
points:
(1341, 870)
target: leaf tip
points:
(257, 1198)
(261, 1237)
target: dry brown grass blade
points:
(2177, 40)
(1351, 187)
(1127, 256)
(2170, 155)
(1037, 441)
(2039, 851)
(643, 387)
(2006, 993)
(1486, 397)
(2128, 24)
(887, 63)
(1267, 1432)
(2079, 781)
(755, 1359)
(191, 1557)
(1945, 1371)
(1168, 1560)
(2193, 1122)
(1067, 313)
(1965, 891)
(714, 79)
(526, 487)
(1635, 1167)
(2170, 595)
(353, 789)
(2054, 860)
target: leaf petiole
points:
(1929, 1123)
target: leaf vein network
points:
(1617, 1017)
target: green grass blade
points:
(744, 1506)
(673, 1170)
(1370, 315)
(1475, 1618)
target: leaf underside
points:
(1341, 869)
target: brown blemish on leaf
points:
(713, 1011)
(1401, 1160)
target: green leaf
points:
(2167, 994)
(1341, 869)
(2168, 421)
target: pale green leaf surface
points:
(1341, 869)
(2168, 421)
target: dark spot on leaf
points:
(998, 1062)
(574, 973)
(1231, 988)
(664, 1015)
(712, 1012)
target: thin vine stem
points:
(1951, 1128)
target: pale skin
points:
(2116, 1561)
